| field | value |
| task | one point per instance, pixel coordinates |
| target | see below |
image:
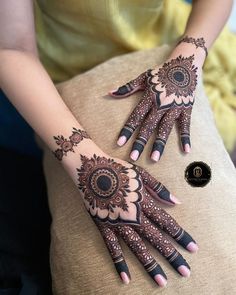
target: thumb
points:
(131, 87)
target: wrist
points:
(86, 148)
(187, 49)
(72, 161)
(70, 149)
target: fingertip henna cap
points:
(185, 139)
(121, 90)
(139, 145)
(164, 194)
(183, 238)
(121, 266)
(154, 269)
(159, 146)
(127, 131)
(176, 260)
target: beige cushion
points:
(79, 260)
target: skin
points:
(37, 99)
(168, 96)
(126, 206)
(205, 21)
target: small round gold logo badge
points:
(198, 174)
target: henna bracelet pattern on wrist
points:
(198, 42)
(67, 145)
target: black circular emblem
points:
(198, 174)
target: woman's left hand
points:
(169, 92)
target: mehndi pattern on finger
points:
(150, 232)
(165, 221)
(157, 187)
(137, 116)
(147, 128)
(159, 216)
(184, 126)
(138, 247)
(164, 129)
(114, 247)
(139, 82)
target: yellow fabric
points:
(75, 35)
(219, 70)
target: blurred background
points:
(232, 26)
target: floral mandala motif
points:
(67, 145)
(106, 187)
(178, 76)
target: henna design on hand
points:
(168, 96)
(106, 187)
(198, 42)
(67, 145)
(150, 182)
(118, 198)
(178, 76)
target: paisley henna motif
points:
(168, 96)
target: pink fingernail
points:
(114, 90)
(161, 281)
(184, 271)
(187, 148)
(134, 155)
(155, 156)
(174, 199)
(124, 277)
(121, 140)
(192, 247)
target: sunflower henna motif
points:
(168, 96)
(120, 198)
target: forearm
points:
(206, 21)
(31, 91)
